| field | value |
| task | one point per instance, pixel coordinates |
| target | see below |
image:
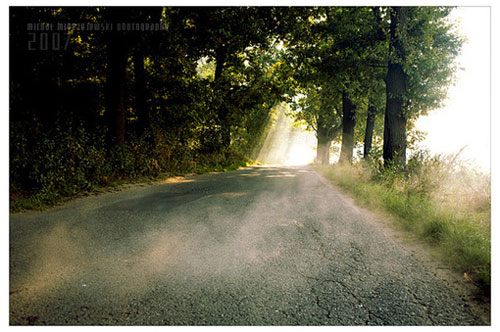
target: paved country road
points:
(256, 246)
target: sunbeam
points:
(287, 143)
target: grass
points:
(433, 203)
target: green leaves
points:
(214, 73)
(432, 46)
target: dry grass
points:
(440, 198)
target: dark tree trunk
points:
(348, 123)
(21, 67)
(140, 90)
(139, 39)
(395, 119)
(323, 153)
(222, 111)
(220, 58)
(141, 105)
(370, 123)
(324, 143)
(115, 88)
(226, 134)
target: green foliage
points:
(65, 162)
(61, 162)
(340, 49)
(177, 116)
(207, 89)
(439, 199)
(341, 52)
(432, 46)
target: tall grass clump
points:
(440, 198)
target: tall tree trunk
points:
(370, 123)
(139, 39)
(323, 150)
(140, 90)
(142, 109)
(21, 67)
(220, 58)
(395, 119)
(222, 111)
(115, 88)
(348, 123)
(324, 142)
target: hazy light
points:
(287, 143)
(465, 119)
(300, 155)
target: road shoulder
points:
(479, 304)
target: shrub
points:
(48, 165)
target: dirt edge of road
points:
(480, 305)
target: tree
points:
(321, 114)
(348, 123)
(370, 124)
(227, 34)
(144, 47)
(117, 55)
(205, 84)
(422, 48)
(337, 49)
(396, 86)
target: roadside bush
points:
(48, 165)
(59, 162)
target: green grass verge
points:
(463, 241)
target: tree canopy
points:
(103, 92)
(351, 53)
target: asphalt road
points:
(257, 246)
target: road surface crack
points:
(370, 316)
